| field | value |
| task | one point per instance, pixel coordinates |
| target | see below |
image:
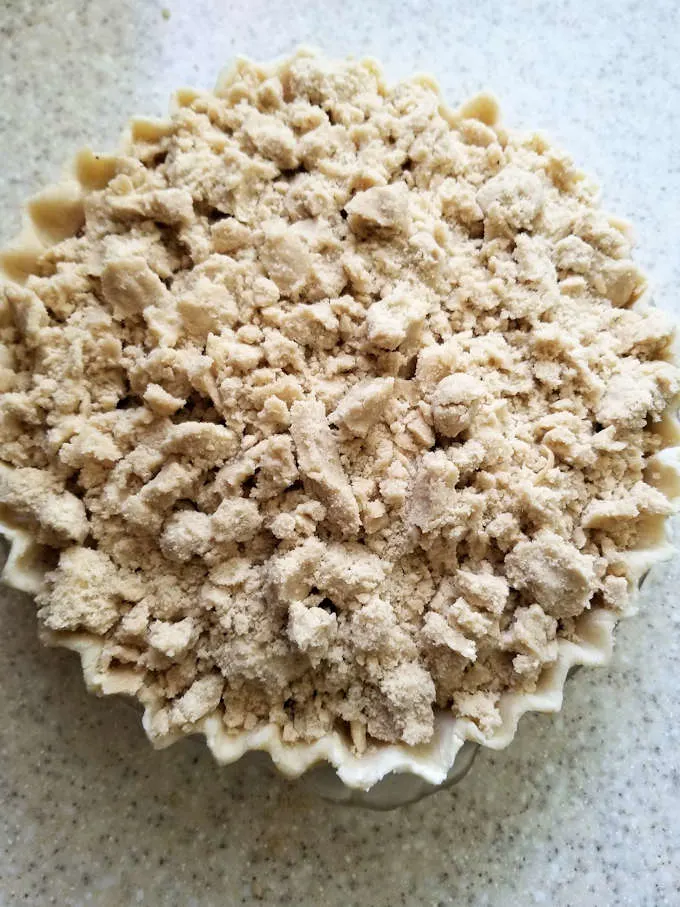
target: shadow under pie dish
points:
(333, 421)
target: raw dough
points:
(335, 406)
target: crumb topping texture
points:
(332, 403)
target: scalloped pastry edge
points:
(53, 214)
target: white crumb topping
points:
(336, 408)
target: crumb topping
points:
(333, 404)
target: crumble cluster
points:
(333, 406)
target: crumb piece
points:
(437, 632)
(172, 639)
(511, 200)
(642, 499)
(286, 257)
(454, 403)
(272, 138)
(320, 464)
(395, 318)
(532, 632)
(311, 629)
(160, 401)
(202, 698)
(379, 208)
(486, 590)
(410, 691)
(185, 535)
(33, 493)
(434, 496)
(89, 445)
(314, 325)
(134, 624)
(469, 619)
(633, 394)
(349, 573)
(130, 286)
(616, 592)
(554, 572)
(201, 441)
(480, 708)
(82, 593)
(145, 509)
(363, 405)
(229, 235)
(236, 520)
(166, 206)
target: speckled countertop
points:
(583, 808)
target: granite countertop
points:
(582, 809)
